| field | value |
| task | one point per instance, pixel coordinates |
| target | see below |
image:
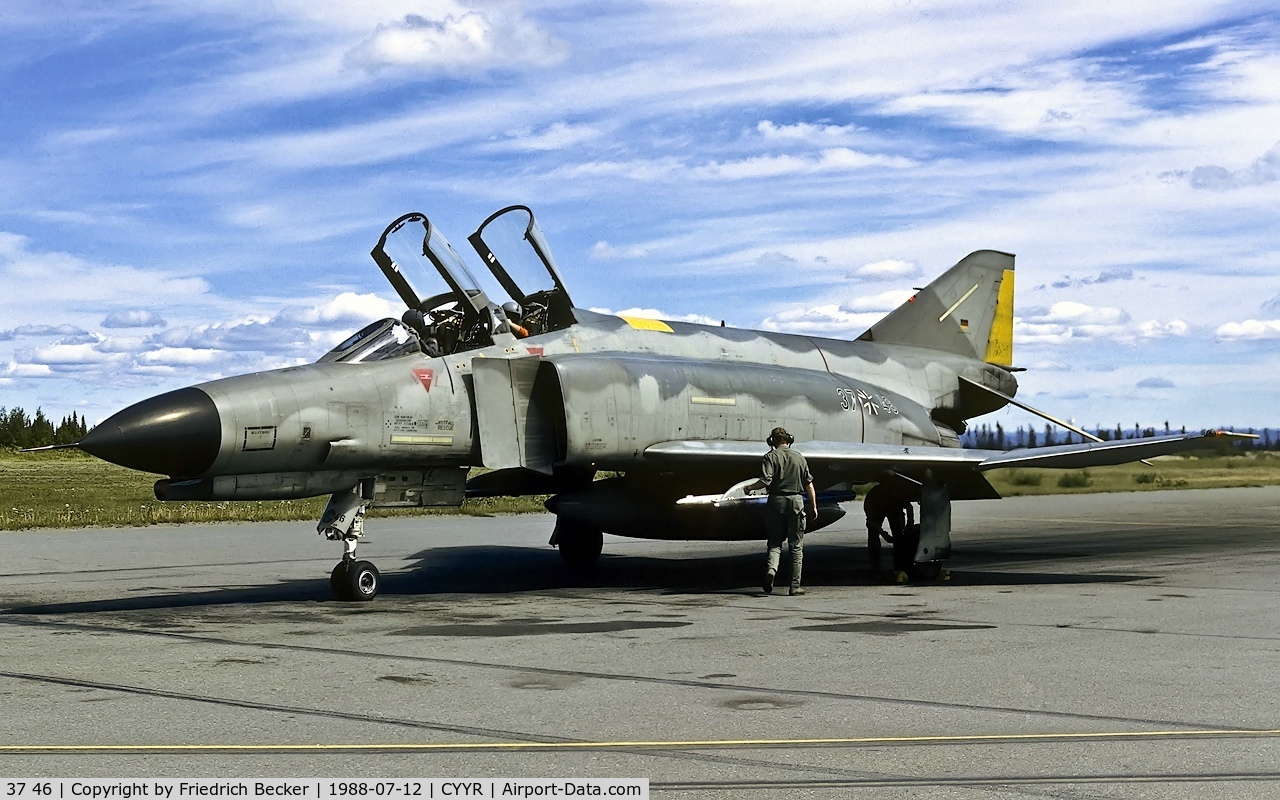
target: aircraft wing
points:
(1101, 454)
(831, 454)
(910, 458)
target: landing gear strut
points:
(343, 520)
(579, 544)
(920, 555)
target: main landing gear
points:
(343, 520)
(579, 544)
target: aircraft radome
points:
(545, 395)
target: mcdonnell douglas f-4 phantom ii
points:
(545, 395)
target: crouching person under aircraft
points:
(784, 473)
(885, 502)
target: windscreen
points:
(386, 338)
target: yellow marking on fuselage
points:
(646, 324)
(714, 401)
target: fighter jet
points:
(549, 397)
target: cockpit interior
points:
(448, 311)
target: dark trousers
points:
(875, 521)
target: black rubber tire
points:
(904, 549)
(579, 544)
(363, 582)
(338, 581)
(925, 570)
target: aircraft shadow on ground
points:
(504, 570)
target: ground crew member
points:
(785, 474)
(885, 502)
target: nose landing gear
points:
(354, 580)
(343, 520)
(579, 544)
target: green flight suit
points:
(785, 474)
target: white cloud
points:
(16, 370)
(825, 320)
(556, 136)
(1070, 320)
(348, 308)
(252, 341)
(603, 251)
(1264, 170)
(1073, 313)
(179, 356)
(472, 41)
(774, 258)
(124, 343)
(807, 133)
(1050, 101)
(66, 354)
(134, 318)
(841, 321)
(62, 279)
(835, 159)
(830, 161)
(888, 268)
(1156, 329)
(42, 330)
(1250, 329)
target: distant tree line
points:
(985, 437)
(18, 430)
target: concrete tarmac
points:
(1087, 646)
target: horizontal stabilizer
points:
(1102, 454)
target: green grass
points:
(1207, 471)
(66, 489)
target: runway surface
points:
(1090, 646)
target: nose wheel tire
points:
(338, 581)
(355, 581)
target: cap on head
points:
(779, 436)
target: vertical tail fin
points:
(968, 310)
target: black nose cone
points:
(176, 433)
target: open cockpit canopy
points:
(415, 256)
(512, 246)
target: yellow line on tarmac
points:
(1131, 522)
(993, 738)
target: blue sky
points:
(190, 189)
